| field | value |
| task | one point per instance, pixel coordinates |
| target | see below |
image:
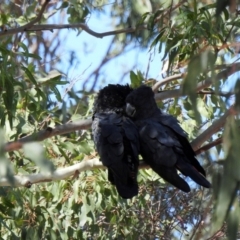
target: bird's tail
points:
(190, 171)
(127, 188)
(171, 176)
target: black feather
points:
(163, 143)
(116, 139)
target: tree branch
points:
(197, 142)
(209, 145)
(158, 84)
(222, 94)
(178, 92)
(28, 25)
(83, 26)
(59, 174)
(231, 69)
(47, 133)
(85, 124)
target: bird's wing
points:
(162, 150)
(116, 140)
(172, 123)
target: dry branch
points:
(178, 92)
(215, 127)
(209, 145)
(85, 124)
(158, 84)
(59, 174)
(230, 69)
(83, 26)
(222, 94)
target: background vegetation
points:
(60, 188)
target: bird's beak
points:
(130, 110)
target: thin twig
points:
(222, 94)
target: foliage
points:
(200, 48)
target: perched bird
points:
(163, 143)
(116, 138)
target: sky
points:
(90, 50)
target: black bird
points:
(116, 138)
(163, 143)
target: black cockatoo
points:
(116, 138)
(163, 143)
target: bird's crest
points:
(112, 97)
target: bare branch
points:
(168, 94)
(158, 84)
(209, 145)
(85, 124)
(178, 92)
(197, 142)
(222, 94)
(59, 174)
(83, 26)
(231, 69)
(49, 132)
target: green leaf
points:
(57, 94)
(30, 75)
(35, 152)
(135, 80)
(233, 220)
(237, 94)
(65, 4)
(229, 185)
(52, 78)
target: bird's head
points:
(140, 102)
(112, 97)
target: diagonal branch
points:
(158, 84)
(38, 18)
(231, 69)
(215, 127)
(28, 25)
(209, 145)
(85, 124)
(178, 92)
(47, 133)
